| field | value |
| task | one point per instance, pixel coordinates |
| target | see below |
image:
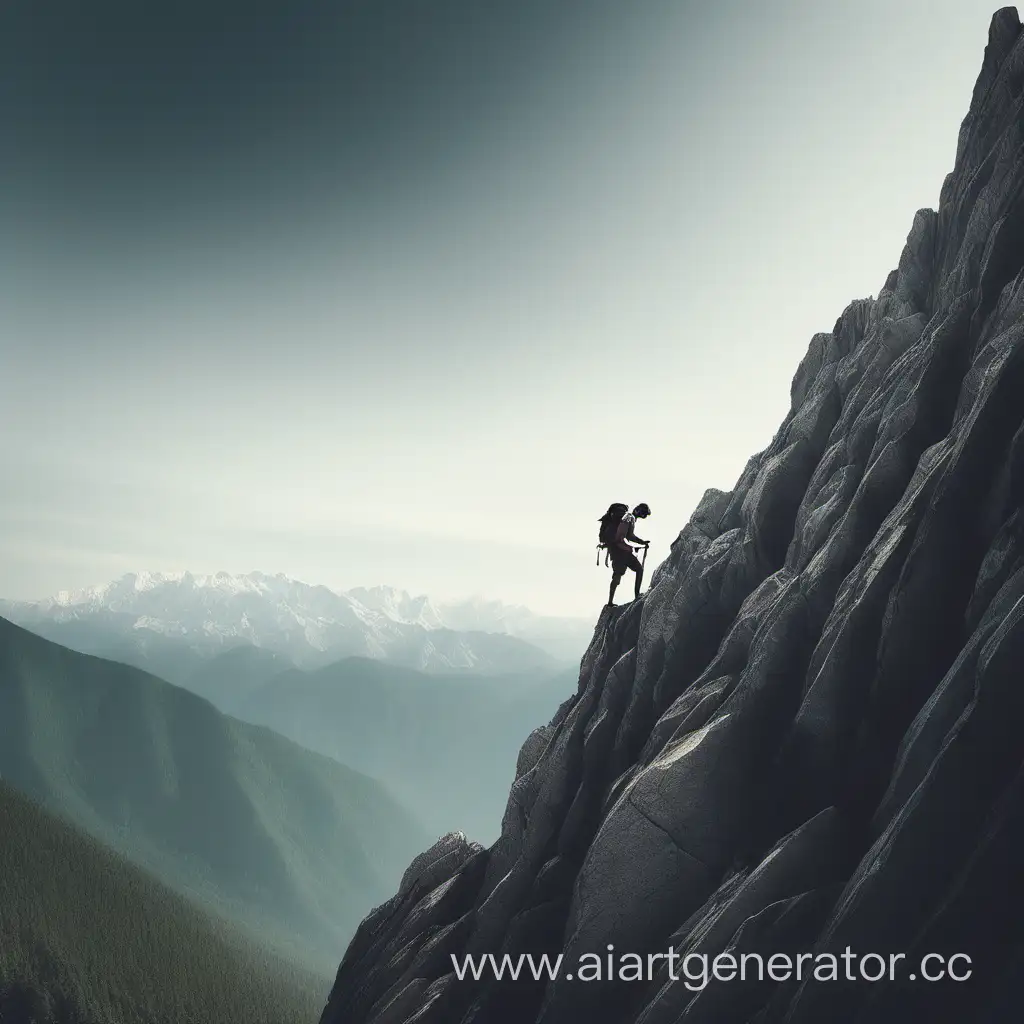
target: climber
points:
(617, 537)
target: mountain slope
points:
(290, 842)
(445, 745)
(563, 638)
(113, 639)
(87, 936)
(807, 737)
(134, 617)
(228, 680)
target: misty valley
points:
(226, 812)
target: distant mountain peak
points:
(312, 622)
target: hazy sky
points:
(407, 291)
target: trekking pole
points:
(643, 561)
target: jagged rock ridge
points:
(807, 735)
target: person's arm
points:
(631, 536)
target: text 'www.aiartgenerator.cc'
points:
(696, 970)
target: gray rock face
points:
(808, 735)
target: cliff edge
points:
(809, 734)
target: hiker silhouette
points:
(616, 536)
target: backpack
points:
(609, 526)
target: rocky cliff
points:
(809, 734)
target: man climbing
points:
(620, 544)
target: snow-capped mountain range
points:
(309, 624)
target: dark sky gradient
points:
(123, 109)
(159, 154)
(341, 288)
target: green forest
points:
(88, 938)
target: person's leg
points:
(619, 559)
(616, 576)
(636, 565)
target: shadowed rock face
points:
(809, 734)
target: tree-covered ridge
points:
(291, 844)
(88, 938)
